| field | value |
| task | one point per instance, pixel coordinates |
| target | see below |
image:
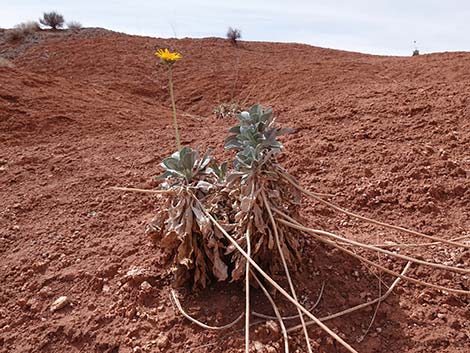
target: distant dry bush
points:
(21, 31)
(233, 35)
(5, 63)
(29, 27)
(74, 25)
(52, 19)
(416, 51)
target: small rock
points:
(137, 275)
(22, 302)
(443, 154)
(258, 346)
(162, 341)
(130, 312)
(59, 303)
(45, 291)
(105, 288)
(40, 266)
(273, 328)
(145, 286)
(33, 305)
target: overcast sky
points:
(379, 27)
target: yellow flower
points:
(168, 57)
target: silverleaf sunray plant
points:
(244, 223)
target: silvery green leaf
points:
(235, 129)
(218, 171)
(256, 110)
(204, 161)
(223, 168)
(188, 158)
(176, 155)
(171, 173)
(171, 163)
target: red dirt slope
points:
(389, 136)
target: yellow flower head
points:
(168, 57)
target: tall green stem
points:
(177, 134)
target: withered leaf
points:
(219, 268)
(185, 252)
(239, 269)
(202, 220)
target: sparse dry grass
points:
(21, 31)
(74, 26)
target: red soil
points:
(80, 113)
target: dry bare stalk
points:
(144, 191)
(369, 220)
(286, 269)
(197, 322)
(360, 306)
(292, 317)
(277, 312)
(404, 245)
(393, 273)
(247, 291)
(275, 284)
(371, 247)
(360, 339)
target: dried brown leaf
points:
(219, 268)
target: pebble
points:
(258, 346)
(59, 303)
(162, 341)
(130, 312)
(273, 327)
(145, 286)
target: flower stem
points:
(172, 94)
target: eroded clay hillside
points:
(81, 112)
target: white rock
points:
(145, 286)
(258, 346)
(59, 303)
